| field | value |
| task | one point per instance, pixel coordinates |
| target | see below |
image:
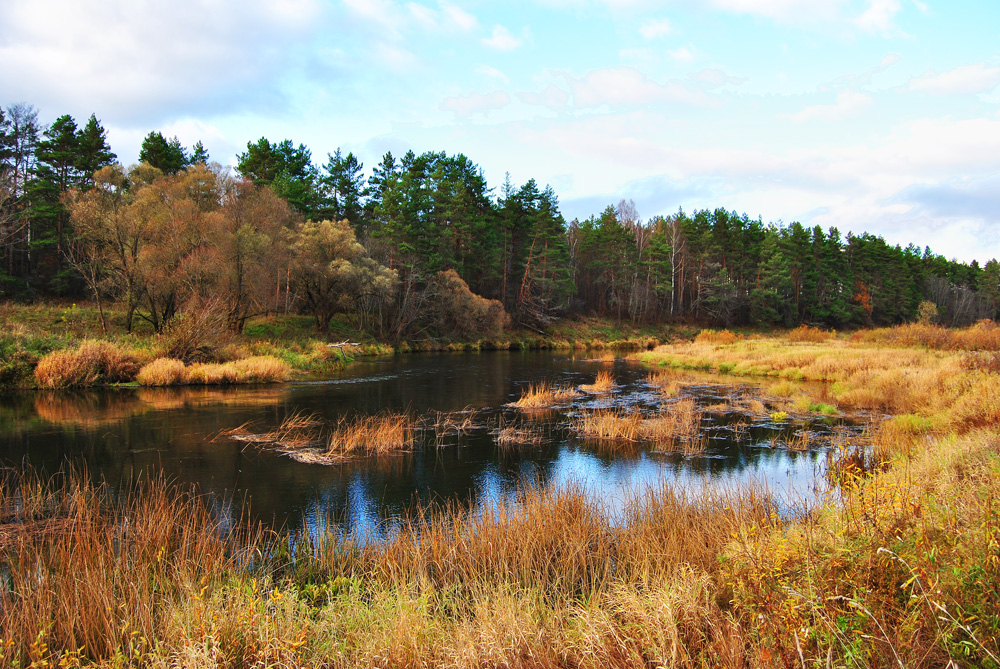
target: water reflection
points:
(118, 434)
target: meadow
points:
(897, 566)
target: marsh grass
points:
(604, 383)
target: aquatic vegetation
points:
(543, 395)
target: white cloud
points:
(714, 77)
(134, 59)
(502, 40)
(847, 104)
(476, 103)
(655, 28)
(683, 54)
(492, 73)
(460, 18)
(978, 78)
(879, 16)
(784, 11)
(625, 86)
(552, 97)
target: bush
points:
(458, 312)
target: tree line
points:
(420, 247)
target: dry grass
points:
(256, 369)
(983, 336)
(518, 435)
(100, 581)
(723, 337)
(372, 435)
(675, 428)
(544, 395)
(262, 369)
(162, 372)
(536, 396)
(604, 383)
(810, 334)
(92, 362)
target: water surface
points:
(121, 433)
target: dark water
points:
(123, 433)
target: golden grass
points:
(372, 435)
(604, 383)
(162, 372)
(809, 333)
(675, 428)
(256, 369)
(983, 336)
(92, 362)
(544, 395)
(717, 337)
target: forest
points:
(420, 247)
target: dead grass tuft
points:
(604, 383)
(92, 362)
(162, 372)
(372, 435)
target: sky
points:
(879, 116)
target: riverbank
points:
(898, 567)
(272, 348)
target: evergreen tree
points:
(343, 185)
(93, 151)
(199, 155)
(167, 156)
(286, 168)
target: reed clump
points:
(604, 383)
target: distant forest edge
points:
(422, 247)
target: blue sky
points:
(868, 115)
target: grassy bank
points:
(899, 567)
(55, 346)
